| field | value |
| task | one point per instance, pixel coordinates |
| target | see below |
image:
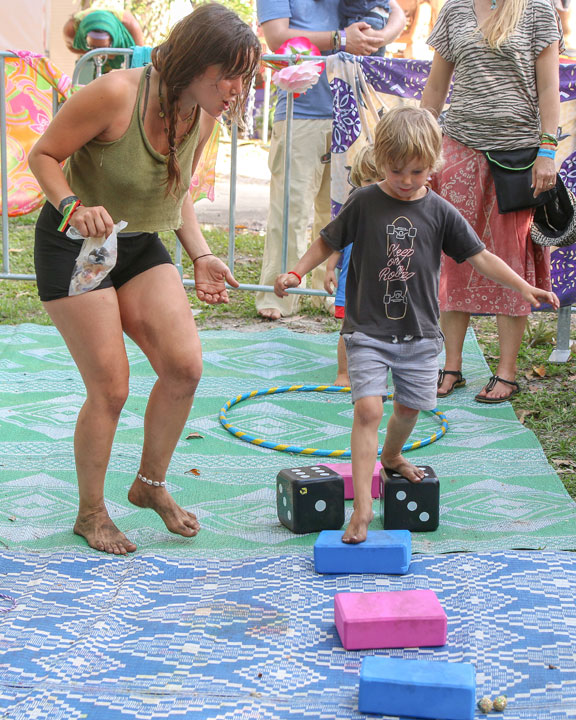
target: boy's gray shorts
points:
(413, 364)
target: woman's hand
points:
(543, 175)
(211, 276)
(283, 281)
(92, 222)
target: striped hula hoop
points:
(296, 449)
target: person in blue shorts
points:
(362, 173)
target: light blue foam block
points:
(384, 551)
(417, 688)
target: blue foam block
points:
(384, 551)
(417, 688)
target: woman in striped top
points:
(503, 58)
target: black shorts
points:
(55, 256)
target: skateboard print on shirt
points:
(400, 241)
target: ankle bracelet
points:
(155, 483)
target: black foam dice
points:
(310, 499)
(405, 505)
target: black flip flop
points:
(458, 383)
(491, 384)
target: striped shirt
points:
(494, 102)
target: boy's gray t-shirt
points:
(394, 269)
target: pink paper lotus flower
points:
(299, 46)
(298, 78)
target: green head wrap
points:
(103, 21)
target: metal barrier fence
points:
(560, 354)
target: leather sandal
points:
(458, 383)
(491, 384)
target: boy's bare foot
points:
(270, 313)
(101, 534)
(176, 519)
(358, 527)
(400, 465)
(342, 380)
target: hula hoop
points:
(296, 449)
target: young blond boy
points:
(399, 229)
(362, 173)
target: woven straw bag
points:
(554, 222)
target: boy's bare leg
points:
(364, 446)
(400, 425)
(342, 377)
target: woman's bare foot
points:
(270, 313)
(176, 519)
(401, 466)
(358, 526)
(342, 380)
(101, 534)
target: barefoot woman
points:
(131, 140)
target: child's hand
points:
(535, 296)
(283, 281)
(330, 281)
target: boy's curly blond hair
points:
(407, 133)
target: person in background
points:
(362, 173)
(100, 28)
(130, 141)
(503, 55)
(318, 21)
(399, 229)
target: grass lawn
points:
(547, 404)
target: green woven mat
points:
(497, 489)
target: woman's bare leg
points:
(510, 334)
(454, 326)
(91, 327)
(156, 314)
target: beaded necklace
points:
(189, 119)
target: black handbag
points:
(512, 174)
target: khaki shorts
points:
(413, 364)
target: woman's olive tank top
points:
(128, 177)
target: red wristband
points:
(291, 272)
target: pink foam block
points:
(396, 619)
(345, 470)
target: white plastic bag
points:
(96, 259)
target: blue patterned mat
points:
(254, 639)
